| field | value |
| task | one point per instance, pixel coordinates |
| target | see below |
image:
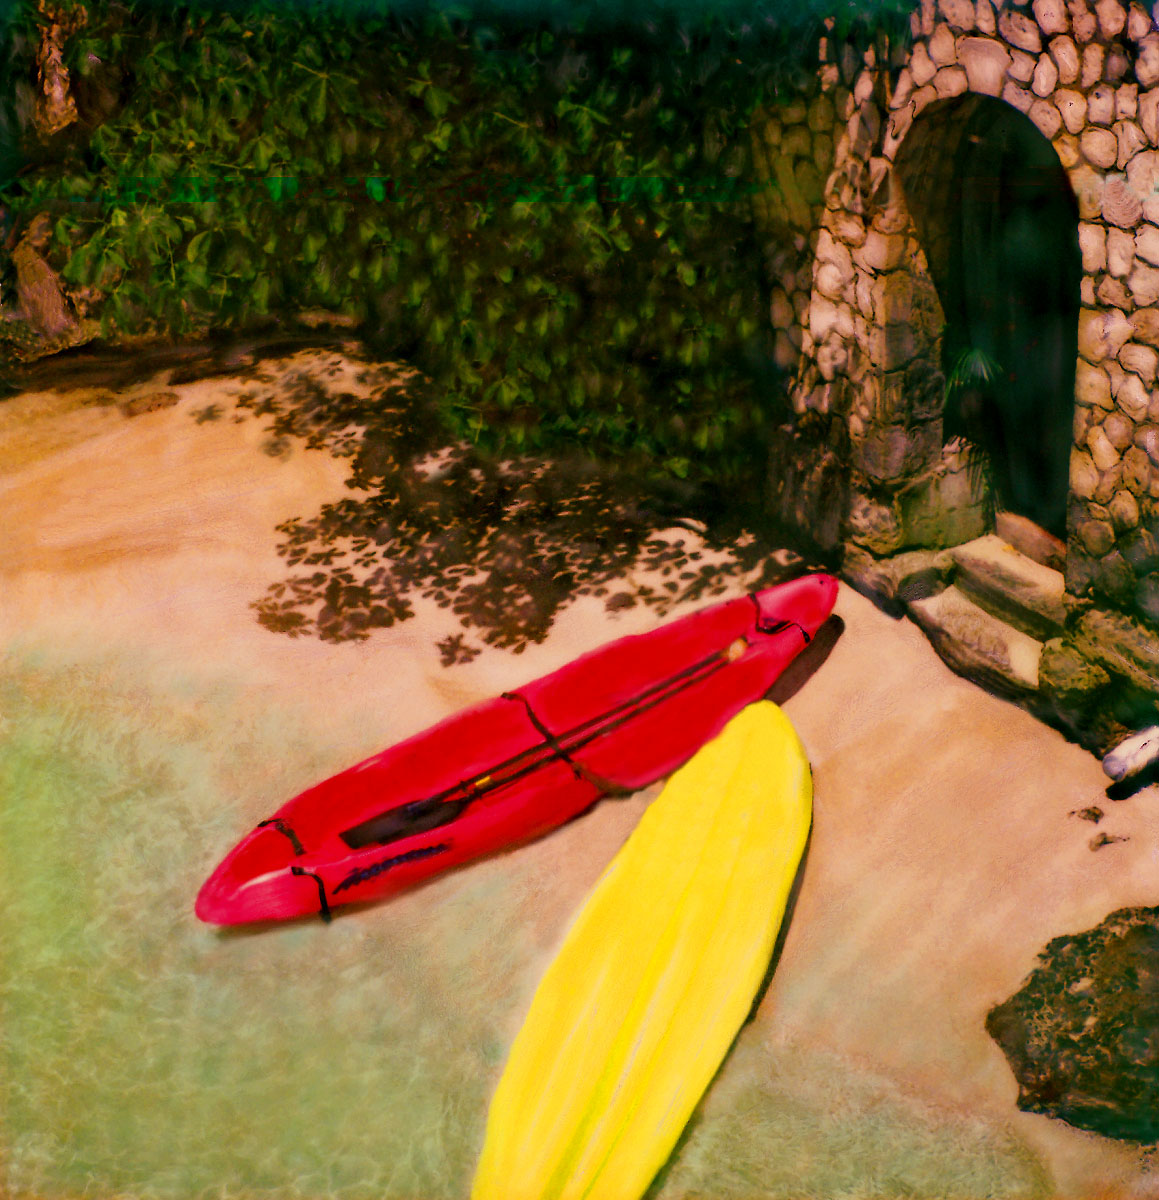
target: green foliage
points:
(546, 213)
(973, 366)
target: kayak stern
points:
(805, 603)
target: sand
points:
(945, 852)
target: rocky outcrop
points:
(1082, 1033)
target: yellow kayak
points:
(658, 973)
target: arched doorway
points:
(993, 207)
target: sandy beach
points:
(945, 854)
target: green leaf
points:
(437, 101)
(317, 102)
(687, 274)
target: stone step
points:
(977, 644)
(1010, 586)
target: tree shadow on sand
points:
(505, 545)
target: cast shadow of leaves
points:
(505, 544)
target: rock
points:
(1120, 645)
(829, 281)
(148, 402)
(1124, 510)
(1147, 243)
(881, 252)
(950, 82)
(1097, 537)
(1132, 396)
(1072, 106)
(984, 16)
(1147, 439)
(1139, 22)
(1131, 140)
(1066, 58)
(781, 311)
(1045, 116)
(1142, 360)
(921, 65)
(1093, 246)
(941, 45)
(1143, 174)
(1020, 31)
(1094, 57)
(1112, 292)
(1109, 482)
(1031, 540)
(849, 228)
(1127, 101)
(894, 581)
(1137, 471)
(1102, 333)
(785, 354)
(823, 152)
(1045, 76)
(1119, 431)
(1120, 203)
(976, 644)
(892, 452)
(1009, 585)
(1051, 16)
(1084, 475)
(1066, 146)
(1017, 97)
(1101, 148)
(1022, 66)
(1147, 61)
(1082, 1033)
(1145, 325)
(875, 524)
(1147, 598)
(1083, 21)
(1120, 247)
(1092, 386)
(821, 114)
(1112, 17)
(960, 13)
(1149, 115)
(1066, 674)
(1101, 105)
(985, 63)
(1144, 284)
(1102, 450)
(1088, 186)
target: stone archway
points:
(995, 214)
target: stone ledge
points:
(891, 583)
(1121, 646)
(1011, 586)
(980, 646)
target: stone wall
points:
(870, 354)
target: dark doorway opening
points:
(993, 205)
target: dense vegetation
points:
(546, 211)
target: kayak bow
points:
(513, 768)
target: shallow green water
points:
(145, 1055)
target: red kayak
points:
(513, 768)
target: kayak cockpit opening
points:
(419, 816)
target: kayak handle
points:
(781, 626)
(324, 911)
(764, 625)
(281, 826)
